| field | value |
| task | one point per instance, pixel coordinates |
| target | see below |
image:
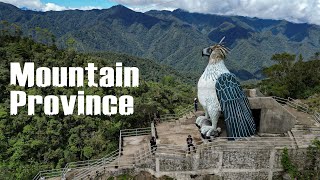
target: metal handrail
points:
(291, 102)
(251, 142)
(132, 132)
(299, 106)
(98, 168)
(316, 116)
(142, 157)
(92, 165)
(48, 174)
(134, 129)
(84, 164)
(136, 132)
(169, 149)
(96, 164)
(177, 115)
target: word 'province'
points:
(73, 77)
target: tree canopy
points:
(292, 77)
(32, 143)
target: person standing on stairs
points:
(195, 104)
(190, 143)
(153, 144)
(156, 117)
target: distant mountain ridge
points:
(174, 38)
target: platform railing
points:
(52, 173)
(125, 162)
(180, 151)
(100, 168)
(112, 160)
(135, 132)
(132, 132)
(243, 143)
(145, 154)
(179, 114)
(316, 116)
(298, 106)
(93, 165)
(86, 164)
(46, 174)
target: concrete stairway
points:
(130, 147)
(172, 136)
(176, 132)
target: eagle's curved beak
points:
(206, 51)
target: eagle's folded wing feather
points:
(235, 107)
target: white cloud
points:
(32, 4)
(39, 6)
(53, 7)
(87, 7)
(292, 10)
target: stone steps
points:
(172, 141)
(176, 132)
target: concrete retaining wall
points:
(228, 163)
(274, 118)
(221, 162)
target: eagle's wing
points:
(235, 106)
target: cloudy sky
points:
(299, 11)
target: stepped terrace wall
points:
(227, 162)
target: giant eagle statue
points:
(219, 91)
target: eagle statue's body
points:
(219, 91)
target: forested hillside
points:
(32, 143)
(291, 77)
(174, 38)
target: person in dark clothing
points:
(196, 104)
(190, 143)
(153, 144)
(156, 118)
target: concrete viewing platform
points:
(176, 132)
(259, 157)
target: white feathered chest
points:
(207, 84)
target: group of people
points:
(153, 144)
(153, 140)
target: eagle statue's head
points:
(216, 52)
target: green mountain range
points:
(174, 38)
